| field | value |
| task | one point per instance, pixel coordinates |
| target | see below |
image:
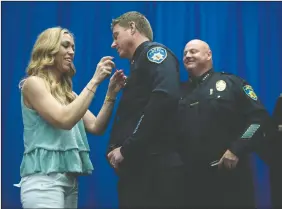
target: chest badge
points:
(157, 54)
(220, 85)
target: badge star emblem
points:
(158, 56)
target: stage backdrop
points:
(245, 38)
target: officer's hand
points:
(229, 160)
(115, 157)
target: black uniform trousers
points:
(211, 187)
(152, 187)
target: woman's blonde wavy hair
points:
(42, 60)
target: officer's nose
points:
(114, 45)
(187, 55)
(185, 58)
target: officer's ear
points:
(132, 27)
(209, 55)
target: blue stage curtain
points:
(245, 38)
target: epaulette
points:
(226, 73)
(233, 75)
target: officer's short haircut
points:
(141, 22)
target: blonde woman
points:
(55, 119)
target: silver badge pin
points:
(211, 91)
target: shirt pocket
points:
(223, 108)
(219, 101)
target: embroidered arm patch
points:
(250, 131)
(250, 92)
(157, 54)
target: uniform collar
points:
(138, 50)
(200, 79)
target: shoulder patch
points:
(250, 92)
(157, 54)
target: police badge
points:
(220, 85)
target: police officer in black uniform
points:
(222, 121)
(142, 146)
(275, 170)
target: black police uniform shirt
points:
(146, 117)
(220, 111)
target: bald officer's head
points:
(197, 57)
